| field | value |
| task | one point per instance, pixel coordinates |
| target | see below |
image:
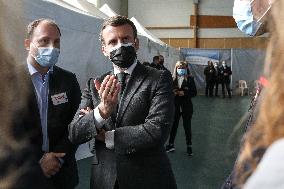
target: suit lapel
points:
(135, 81)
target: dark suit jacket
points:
(59, 117)
(141, 125)
(189, 89)
(210, 74)
(227, 70)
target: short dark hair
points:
(117, 20)
(155, 58)
(31, 27)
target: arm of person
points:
(192, 87)
(84, 126)
(153, 133)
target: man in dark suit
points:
(226, 73)
(57, 94)
(210, 74)
(130, 133)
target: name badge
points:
(59, 98)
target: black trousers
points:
(227, 85)
(186, 117)
(209, 88)
(217, 86)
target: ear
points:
(136, 44)
(27, 44)
(104, 50)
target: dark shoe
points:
(189, 151)
(170, 148)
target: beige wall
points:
(255, 42)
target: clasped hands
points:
(108, 92)
(178, 93)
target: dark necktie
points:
(122, 80)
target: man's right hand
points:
(108, 91)
(50, 163)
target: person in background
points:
(260, 165)
(184, 89)
(57, 94)
(161, 63)
(155, 62)
(129, 111)
(210, 76)
(146, 63)
(158, 63)
(219, 77)
(226, 72)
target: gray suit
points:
(141, 125)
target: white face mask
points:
(46, 56)
(242, 13)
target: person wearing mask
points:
(210, 76)
(155, 63)
(218, 80)
(158, 63)
(226, 72)
(161, 63)
(129, 111)
(245, 13)
(57, 94)
(184, 89)
(251, 16)
(260, 163)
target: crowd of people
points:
(130, 111)
(215, 75)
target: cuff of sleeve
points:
(109, 139)
(99, 121)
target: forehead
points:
(45, 29)
(180, 65)
(117, 32)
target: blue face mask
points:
(47, 56)
(242, 13)
(181, 71)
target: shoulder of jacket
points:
(60, 70)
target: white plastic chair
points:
(243, 86)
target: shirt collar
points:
(33, 70)
(128, 70)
